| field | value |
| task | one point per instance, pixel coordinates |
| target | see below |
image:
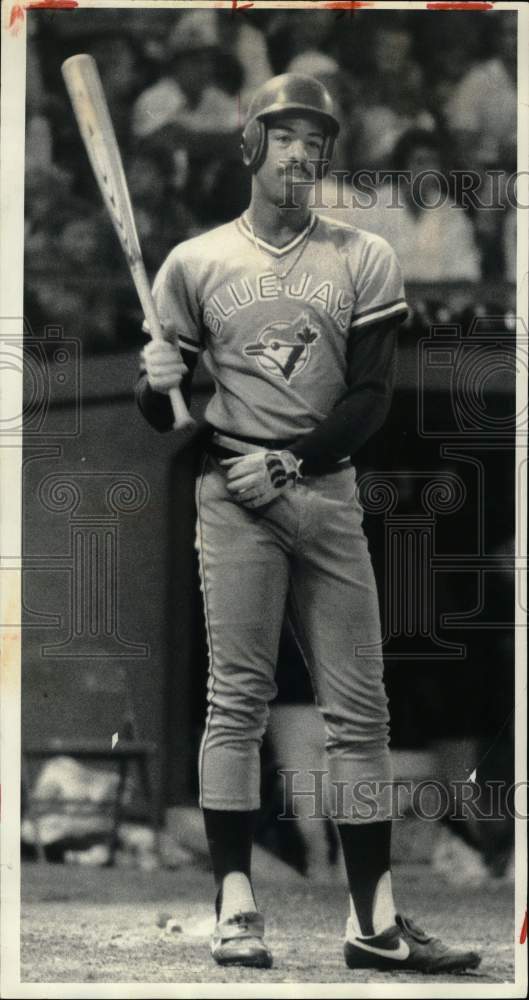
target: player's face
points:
(294, 146)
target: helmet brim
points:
(332, 126)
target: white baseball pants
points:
(305, 554)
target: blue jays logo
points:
(283, 349)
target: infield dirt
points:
(84, 925)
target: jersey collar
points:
(245, 229)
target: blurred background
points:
(114, 649)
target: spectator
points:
(231, 39)
(311, 40)
(162, 219)
(39, 148)
(71, 279)
(392, 97)
(483, 107)
(49, 205)
(193, 117)
(297, 38)
(237, 37)
(120, 66)
(444, 56)
(187, 95)
(80, 244)
(313, 63)
(432, 243)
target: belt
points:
(218, 448)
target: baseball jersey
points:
(275, 324)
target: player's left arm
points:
(364, 408)
(379, 309)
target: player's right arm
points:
(170, 363)
(163, 367)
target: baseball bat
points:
(89, 103)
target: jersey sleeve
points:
(175, 296)
(379, 288)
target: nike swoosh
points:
(400, 954)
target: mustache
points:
(290, 168)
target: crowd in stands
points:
(414, 91)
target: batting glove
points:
(163, 364)
(257, 479)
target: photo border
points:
(14, 19)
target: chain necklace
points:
(281, 275)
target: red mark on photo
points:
(16, 17)
(347, 4)
(17, 14)
(236, 6)
(460, 6)
(51, 5)
(523, 932)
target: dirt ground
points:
(101, 925)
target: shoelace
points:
(415, 931)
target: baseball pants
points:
(304, 554)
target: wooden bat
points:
(84, 86)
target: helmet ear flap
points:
(254, 143)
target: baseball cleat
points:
(406, 946)
(239, 941)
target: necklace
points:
(281, 275)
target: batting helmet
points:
(290, 92)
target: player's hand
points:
(257, 479)
(163, 364)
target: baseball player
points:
(297, 318)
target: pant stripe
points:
(202, 570)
